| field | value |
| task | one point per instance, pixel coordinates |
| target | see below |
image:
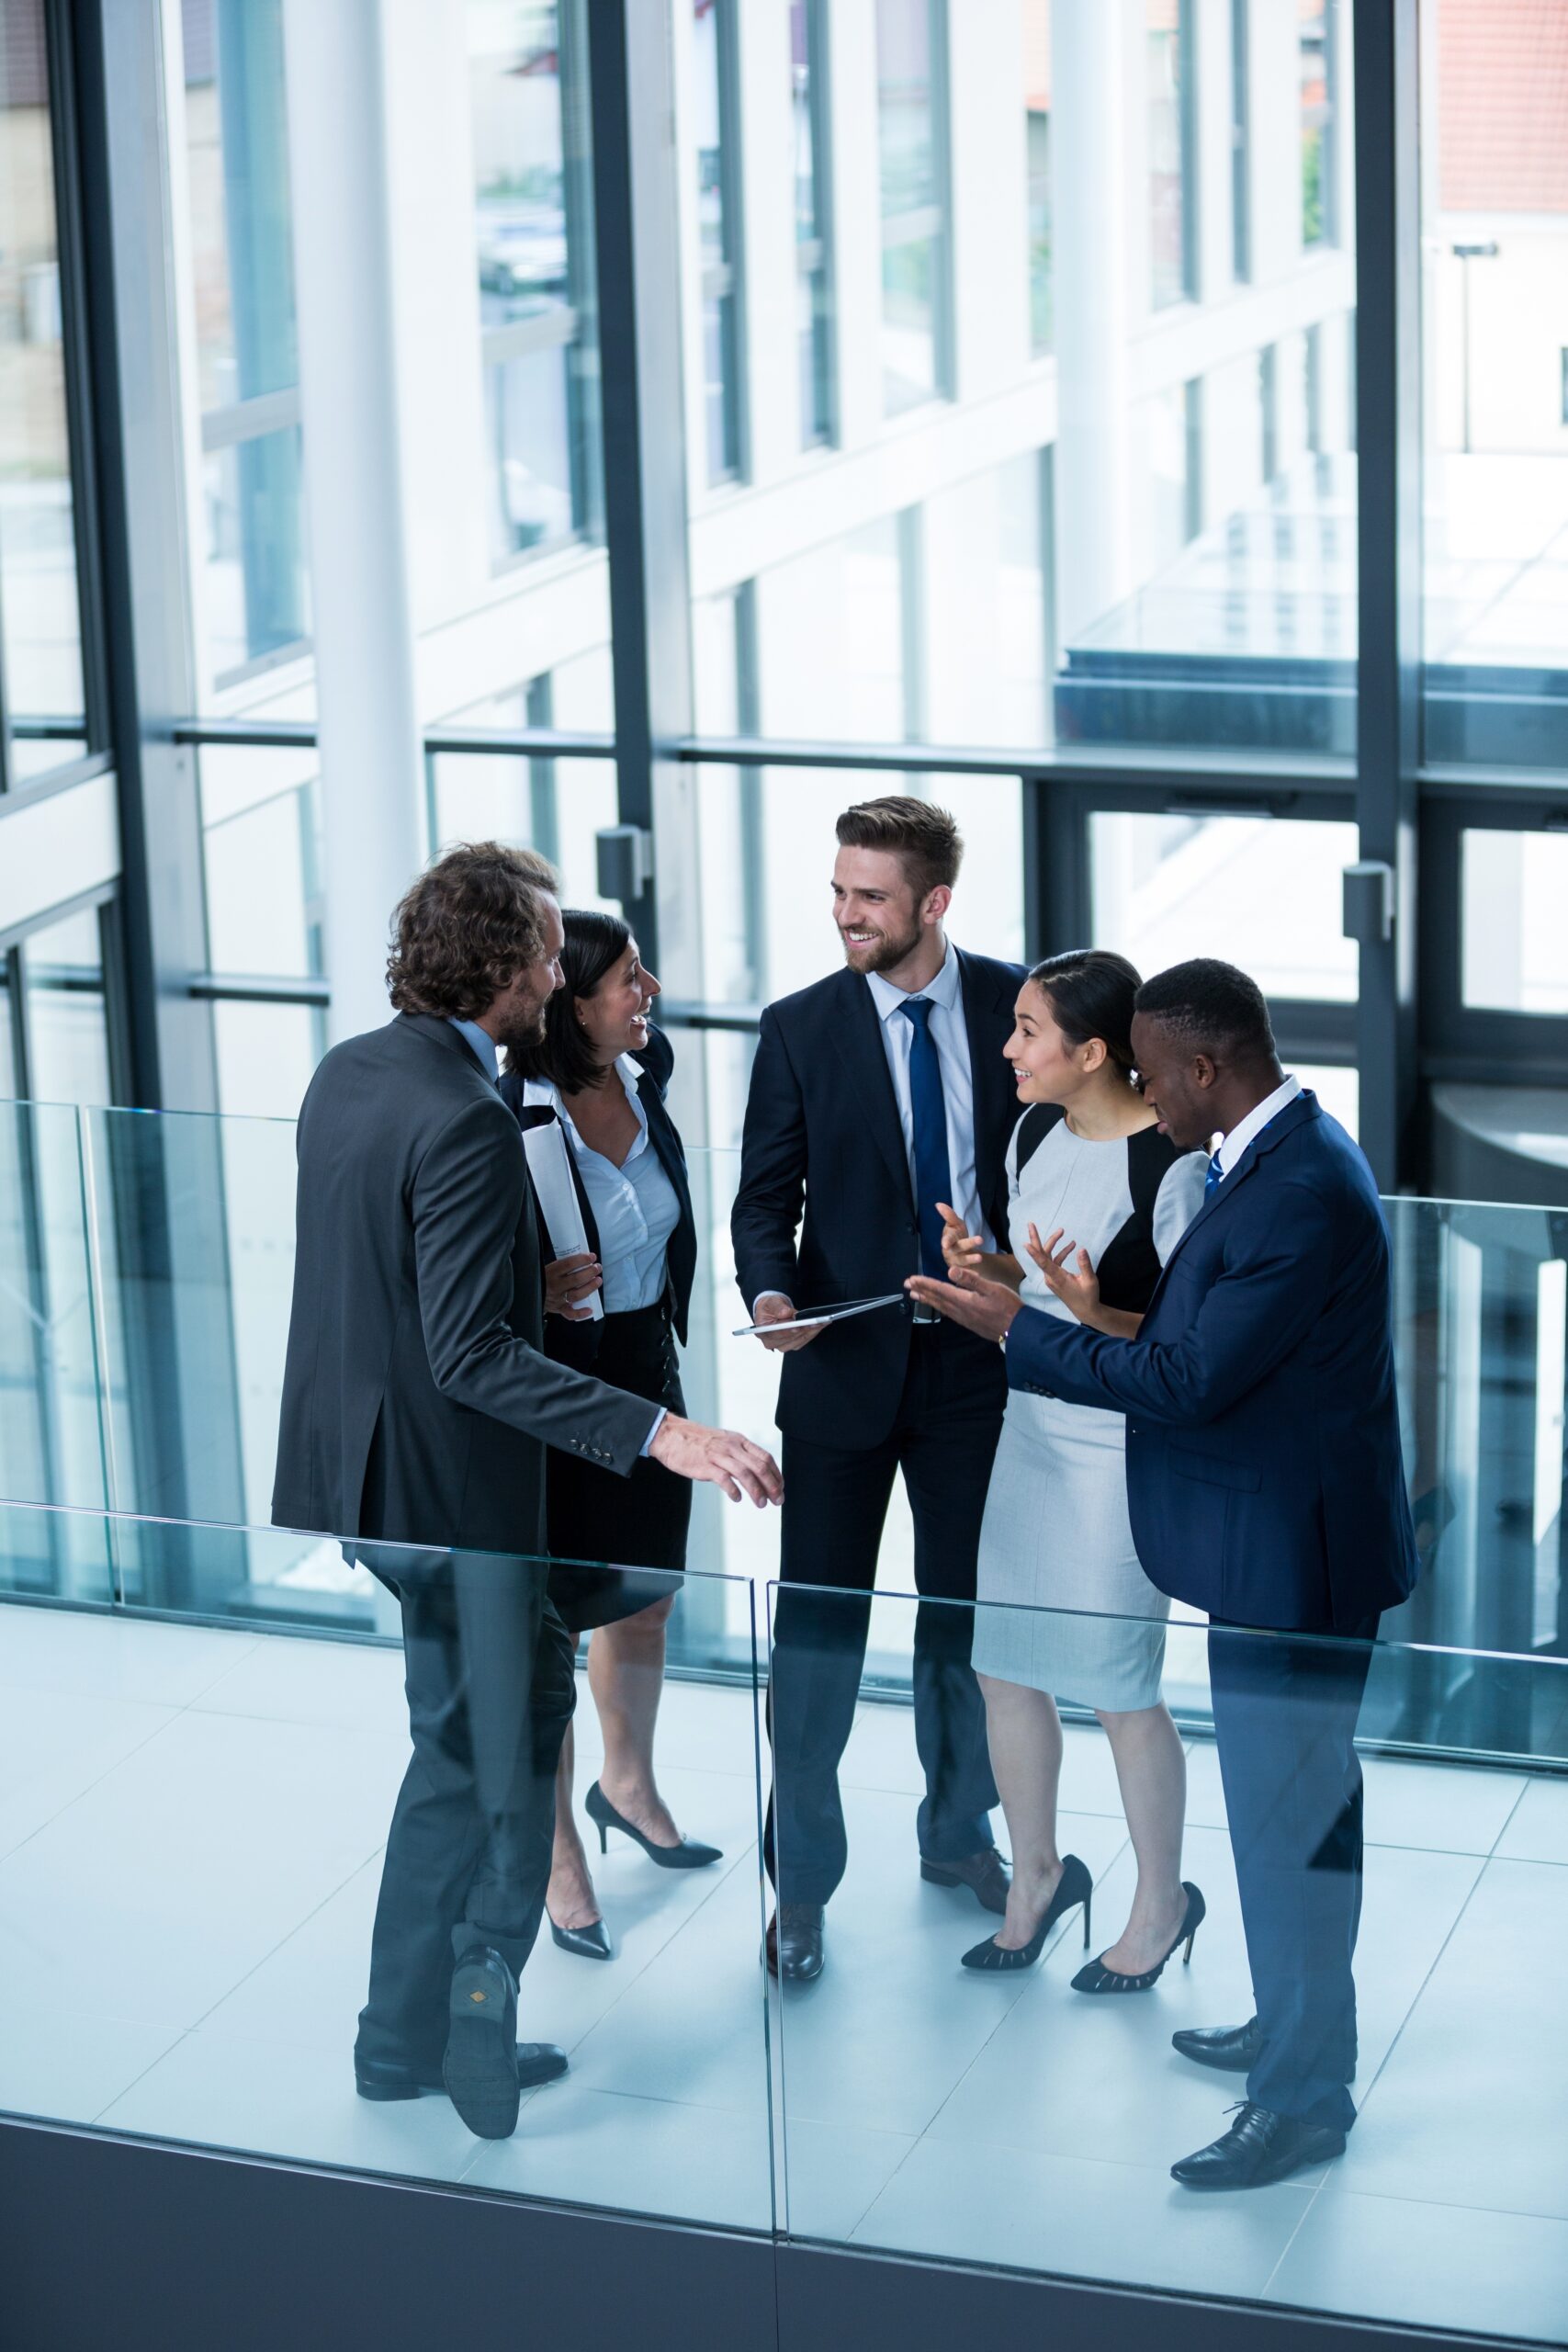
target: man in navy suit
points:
(876, 1094)
(1265, 1487)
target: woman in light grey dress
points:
(1099, 1198)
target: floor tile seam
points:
(183, 2035)
(866, 2209)
(1342, 2184)
(1033, 1976)
(171, 1716)
(659, 1951)
(1317, 2188)
(1416, 1998)
(289, 1723)
(251, 1643)
(300, 1925)
(1306, 2189)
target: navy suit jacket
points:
(578, 1343)
(1264, 1474)
(823, 1152)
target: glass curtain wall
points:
(912, 147)
(254, 600)
(534, 224)
(714, 95)
(1172, 195)
(812, 230)
(42, 691)
(1036, 27)
(1495, 246)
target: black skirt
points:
(638, 1522)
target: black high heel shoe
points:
(1097, 1978)
(687, 1856)
(1074, 1885)
(591, 1942)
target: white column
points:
(1088, 187)
(371, 763)
(851, 29)
(989, 182)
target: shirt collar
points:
(536, 1091)
(1247, 1130)
(944, 990)
(483, 1044)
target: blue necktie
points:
(933, 1171)
(1213, 1175)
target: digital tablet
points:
(821, 1315)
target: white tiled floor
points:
(191, 1833)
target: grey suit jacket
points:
(417, 1399)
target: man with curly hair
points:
(417, 1403)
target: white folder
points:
(549, 1165)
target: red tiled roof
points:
(1502, 106)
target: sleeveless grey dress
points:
(1055, 1535)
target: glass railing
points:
(195, 1817)
(208, 1804)
(146, 1263)
(1007, 2116)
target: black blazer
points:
(578, 1343)
(1264, 1473)
(417, 1399)
(823, 1151)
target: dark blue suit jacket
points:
(1263, 1473)
(823, 1153)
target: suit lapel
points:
(857, 1034)
(666, 1143)
(1304, 1107)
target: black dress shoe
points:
(1229, 2049)
(591, 1942)
(794, 1942)
(480, 2069)
(389, 2078)
(985, 1874)
(1259, 2147)
(689, 1855)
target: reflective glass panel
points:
(62, 987)
(1170, 96)
(1036, 26)
(1495, 250)
(1263, 892)
(533, 198)
(230, 1855)
(811, 222)
(255, 586)
(713, 39)
(40, 622)
(1515, 947)
(1366, 1893)
(914, 199)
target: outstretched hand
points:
(721, 1458)
(959, 1246)
(985, 1307)
(1078, 1287)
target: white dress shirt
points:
(635, 1205)
(1230, 1147)
(951, 1039)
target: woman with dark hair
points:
(1088, 1170)
(602, 1069)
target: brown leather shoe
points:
(793, 1946)
(985, 1873)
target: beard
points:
(524, 1027)
(882, 952)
